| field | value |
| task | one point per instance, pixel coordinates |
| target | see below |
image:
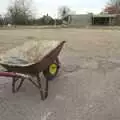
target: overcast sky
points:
(51, 6)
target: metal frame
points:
(37, 84)
(21, 73)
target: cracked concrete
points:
(87, 87)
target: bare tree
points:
(113, 7)
(63, 11)
(20, 11)
(114, 2)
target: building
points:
(90, 19)
(78, 20)
(104, 19)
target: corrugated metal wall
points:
(81, 20)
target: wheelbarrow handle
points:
(12, 74)
(7, 74)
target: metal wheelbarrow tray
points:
(29, 60)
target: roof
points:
(77, 15)
(105, 15)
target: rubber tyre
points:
(50, 76)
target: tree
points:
(1, 20)
(64, 11)
(114, 2)
(113, 7)
(47, 20)
(20, 11)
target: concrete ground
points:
(87, 87)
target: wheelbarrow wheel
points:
(51, 72)
(17, 84)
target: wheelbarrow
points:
(29, 60)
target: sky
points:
(42, 7)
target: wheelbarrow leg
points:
(43, 92)
(16, 88)
(57, 61)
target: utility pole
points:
(55, 21)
